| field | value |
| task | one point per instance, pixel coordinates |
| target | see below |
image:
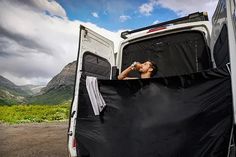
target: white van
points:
(206, 46)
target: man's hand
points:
(137, 66)
(124, 74)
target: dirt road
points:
(34, 140)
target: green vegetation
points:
(55, 96)
(7, 98)
(34, 113)
(8, 101)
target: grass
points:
(16, 114)
(55, 96)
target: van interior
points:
(174, 54)
(178, 53)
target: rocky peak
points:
(6, 83)
(65, 78)
(8, 88)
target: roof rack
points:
(194, 17)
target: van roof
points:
(194, 17)
(204, 26)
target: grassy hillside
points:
(8, 97)
(34, 113)
(55, 96)
(58, 90)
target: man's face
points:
(145, 67)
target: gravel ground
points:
(34, 140)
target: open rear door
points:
(223, 45)
(95, 58)
(223, 39)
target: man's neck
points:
(145, 75)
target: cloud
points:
(19, 39)
(25, 81)
(183, 7)
(52, 7)
(124, 18)
(95, 14)
(180, 7)
(34, 45)
(156, 22)
(147, 8)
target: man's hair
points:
(154, 67)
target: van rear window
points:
(97, 66)
(174, 54)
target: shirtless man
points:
(147, 70)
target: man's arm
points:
(124, 73)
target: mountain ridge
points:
(58, 90)
(65, 78)
(10, 93)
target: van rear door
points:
(231, 24)
(95, 58)
(223, 39)
(223, 46)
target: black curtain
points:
(181, 116)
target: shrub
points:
(33, 113)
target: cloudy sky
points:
(39, 37)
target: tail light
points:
(156, 29)
(74, 144)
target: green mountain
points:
(10, 93)
(7, 98)
(53, 97)
(59, 89)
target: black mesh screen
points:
(221, 48)
(94, 65)
(174, 54)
